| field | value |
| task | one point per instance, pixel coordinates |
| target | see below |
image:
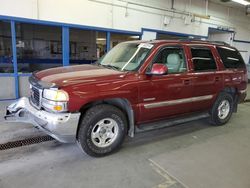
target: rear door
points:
(207, 78)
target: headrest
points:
(173, 59)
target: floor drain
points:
(25, 142)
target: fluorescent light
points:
(101, 39)
(134, 37)
(243, 2)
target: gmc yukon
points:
(137, 86)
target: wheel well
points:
(234, 92)
(230, 90)
(123, 104)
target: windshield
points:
(126, 56)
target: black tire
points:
(90, 121)
(217, 119)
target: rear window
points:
(231, 58)
(203, 59)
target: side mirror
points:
(158, 69)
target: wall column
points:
(65, 45)
(14, 57)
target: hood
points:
(78, 74)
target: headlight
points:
(54, 106)
(55, 100)
(55, 95)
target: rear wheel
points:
(102, 130)
(222, 109)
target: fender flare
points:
(121, 103)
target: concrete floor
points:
(248, 92)
(194, 155)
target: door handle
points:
(217, 79)
(186, 82)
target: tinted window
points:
(231, 58)
(203, 59)
(173, 58)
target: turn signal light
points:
(58, 108)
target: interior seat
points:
(173, 63)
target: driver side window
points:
(173, 58)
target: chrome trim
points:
(178, 101)
(40, 97)
(149, 99)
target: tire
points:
(222, 109)
(102, 130)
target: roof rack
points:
(208, 41)
(219, 43)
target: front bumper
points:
(61, 126)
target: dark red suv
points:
(130, 88)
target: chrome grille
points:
(36, 96)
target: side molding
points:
(178, 101)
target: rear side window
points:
(203, 59)
(231, 58)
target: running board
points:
(169, 122)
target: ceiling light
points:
(243, 2)
(134, 37)
(101, 39)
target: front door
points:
(163, 96)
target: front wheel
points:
(222, 109)
(102, 130)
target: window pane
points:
(6, 63)
(173, 58)
(38, 47)
(101, 42)
(203, 59)
(231, 58)
(116, 38)
(125, 57)
(86, 46)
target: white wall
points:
(226, 37)
(244, 49)
(118, 14)
(24, 8)
(147, 35)
(96, 13)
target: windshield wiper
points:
(111, 67)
